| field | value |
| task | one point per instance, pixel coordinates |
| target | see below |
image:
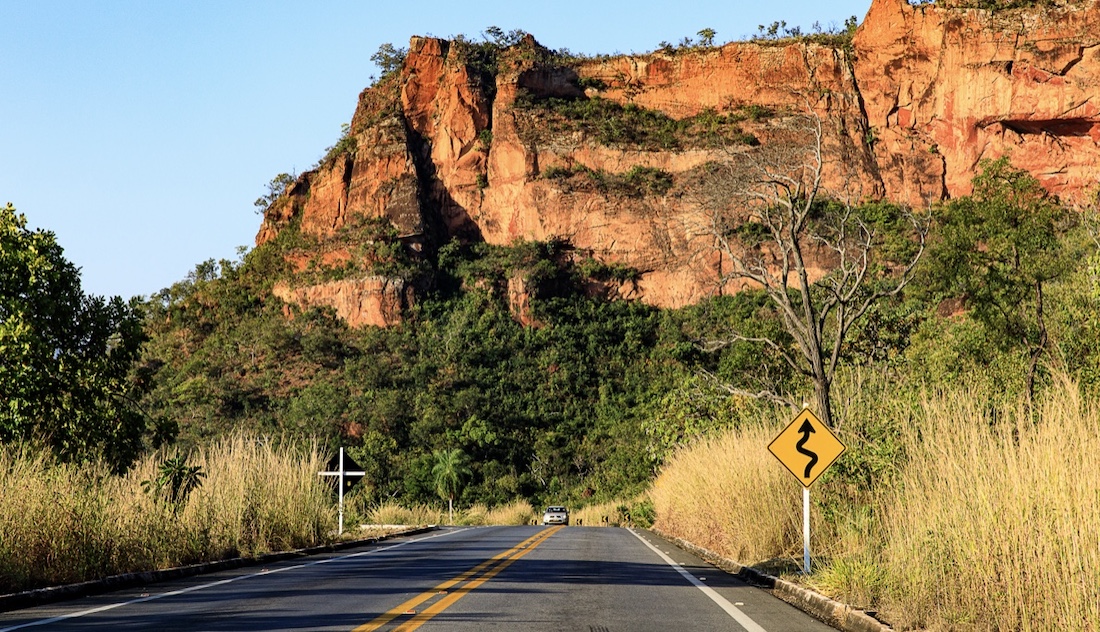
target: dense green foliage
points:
(998, 250)
(65, 357)
(583, 404)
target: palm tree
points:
(450, 471)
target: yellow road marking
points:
(423, 617)
(515, 553)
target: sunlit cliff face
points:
(446, 150)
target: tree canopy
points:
(998, 249)
(65, 357)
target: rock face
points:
(457, 146)
(372, 300)
(946, 87)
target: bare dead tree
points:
(776, 226)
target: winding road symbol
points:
(806, 430)
(806, 447)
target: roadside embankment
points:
(69, 523)
(987, 519)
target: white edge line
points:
(189, 589)
(731, 610)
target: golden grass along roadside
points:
(996, 526)
(601, 515)
(65, 523)
(518, 512)
(990, 521)
(728, 495)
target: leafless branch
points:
(769, 215)
(763, 394)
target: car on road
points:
(555, 514)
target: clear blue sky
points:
(140, 132)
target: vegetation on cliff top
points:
(612, 123)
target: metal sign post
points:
(806, 530)
(348, 473)
(806, 462)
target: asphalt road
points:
(499, 578)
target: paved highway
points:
(456, 579)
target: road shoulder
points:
(54, 594)
(836, 614)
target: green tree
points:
(389, 58)
(275, 189)
(998, 249)
(65, 357)
(449, 473)
(706, 37)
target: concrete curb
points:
(834, 613)
(53, 594)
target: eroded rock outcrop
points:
(455, 146)
(377, 301)
(946, 87)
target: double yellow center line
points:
(470, 580)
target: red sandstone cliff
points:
(961, 85)
(444, 151)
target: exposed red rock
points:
(372, 300)
(950, 86)
(923, 95)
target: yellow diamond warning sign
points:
(806, 447)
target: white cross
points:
(342, 474)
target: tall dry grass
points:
(991, 520)
(728, 494)
(518, 512)
(996, 526)
(608, 514)
(63, 523)
(393, 513)
(259, 497)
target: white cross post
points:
(342, 474)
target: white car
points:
(555, 514)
